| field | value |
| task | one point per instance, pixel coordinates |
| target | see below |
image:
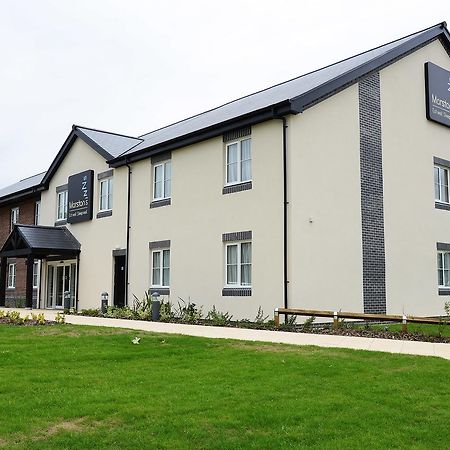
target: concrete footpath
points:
(320, 340)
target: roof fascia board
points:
(212, 131)
(323, 91)
(21, 195)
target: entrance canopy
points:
(40, 242)
(35, 242)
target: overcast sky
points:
(133, 66)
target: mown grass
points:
(425, 329)
(91, 388)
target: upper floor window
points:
(37, 213)
(106, 186)
(61, 205)
(14, 217)
(11, 276)
(238, 261)
(441, 184)
(162, 177)
(239, 161)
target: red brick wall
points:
(26, 217)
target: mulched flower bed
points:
(26, 323)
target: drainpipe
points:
(285, 213)
(127, 257)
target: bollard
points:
(66, 300)
(335, 320)
(404, 324)
(156, 306)
(104, 302)
(276, 318)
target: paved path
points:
(320, 340)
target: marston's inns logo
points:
(85, 194)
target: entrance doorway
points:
(119, 280)
(61, 278)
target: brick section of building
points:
(16, 297)
(372, 211)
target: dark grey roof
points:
(299, 92)
(114, 144)
(22, 185)
(50, 238)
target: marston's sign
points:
(80, 197)
(437, 87)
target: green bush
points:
(219, 318)
(166, 313)
(188, 312)
(90, 312)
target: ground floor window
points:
(238, 261)
(161, 268)
(12, 276)
(443, 263)
(61, 279)
(35, 274)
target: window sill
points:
(8, 288)
(440, 205)
(160, 291)
(444, 291)
(58, 223)
(237, 187)
(236, 292)
(107, 213)
(158, 203)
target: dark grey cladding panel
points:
(159, 244)
(102, 214)
(236, 134)
(237, 236)
(161, 157)
(160, 291)
(236, 292)
(119, 252)
(62, 188)
(443, 246)
(441, 162)
(372, 209)
(158, 203)
(237, 187)
(444, 206)
(106, 174)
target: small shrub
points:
(166, 313)
(219, 318)
(260, 318)
(307, 325)
(14, 317)
(188, 312)
(90, 312)
(144, 304)
(60, 318)
(39, 318)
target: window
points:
(11, 276)
(443, 264)
(441, 184)
(105, 203)
(239, 161)
(162, 175)
(14, 217)
(37, 213)
(36, 274)
(238, 261)
(61, 206)
(161, 268)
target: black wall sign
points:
(80, 197)
(437, 87)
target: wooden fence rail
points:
(336, 315)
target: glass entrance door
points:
(60, 279)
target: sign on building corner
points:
(437, 90)
(80, 196)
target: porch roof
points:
(40, 242)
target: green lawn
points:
(70, 387)
(426, 329)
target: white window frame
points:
(14, 218)
(238, 284)
(109, 194)
(442, 187)
(162, 164)
(37, 213)
(12, 271)
(444, 268)
(239, 161)
(36, 274)
(161, 268)
(65, 195)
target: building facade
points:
(329, 191)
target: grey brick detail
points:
(158, 203)
(160, 157)
(441, 162)
(439, 205)
(106, 174)
(104, 214)
(236, 292)
(62, 188)
(237, 187)
(443, 246)
(372, 210)
(160, 291)
(159, 244)
(236, 134)
(237, 236)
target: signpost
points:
(80, 197)
(437, 88)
